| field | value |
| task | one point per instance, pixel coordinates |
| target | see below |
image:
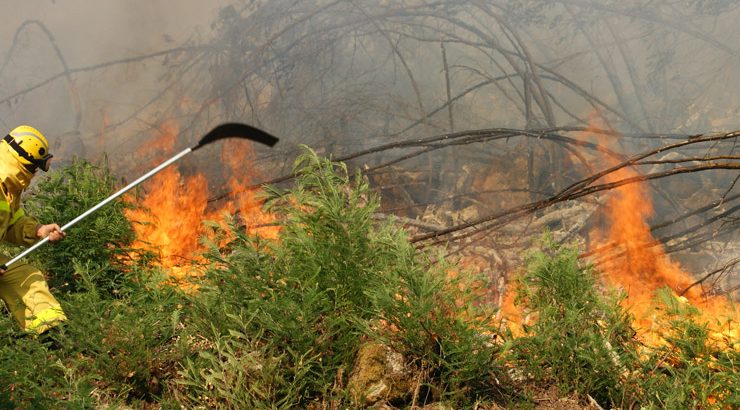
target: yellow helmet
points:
(30, 147)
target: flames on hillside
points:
(637, 263)
(630, 259)
(170, 221)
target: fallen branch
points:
(567, 194)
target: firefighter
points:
(23, 288)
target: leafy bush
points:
(279, 323)
(99, 241)
(444, 325)
(111, 350)
(691, 370)
(283, 320)
(580, 340)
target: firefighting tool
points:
(227, 130)
(30, 147)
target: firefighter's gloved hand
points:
(53, 231)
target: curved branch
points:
(492, 221)
(97, 67)
(582, 188)
(648, 15)
(74, 94)
(728, 267)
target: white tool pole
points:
(227, 130)
(100, 205)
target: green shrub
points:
(110, 351)
(689, 370)
(580, 340)
(293, 302)
(298, 308)
(446, 327)
(100, 241)
(131, 338)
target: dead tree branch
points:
(583, 188)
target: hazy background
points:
(103, 77)
(89, 33)
(682, 55)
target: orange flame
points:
(511, 314)
(637, 263)
(175, 207)
(238, 157)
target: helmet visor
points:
(44, 163)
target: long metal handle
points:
(100, 205)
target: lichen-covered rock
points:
(379, 375)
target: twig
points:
(731, 264)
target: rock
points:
(379, 376)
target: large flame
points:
(170, 222)
(635, 262)
(631, 259)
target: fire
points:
(238, 157)
(511, 313)
(174, 207)
(631, 259)
(637, 263)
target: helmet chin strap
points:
(34, 163)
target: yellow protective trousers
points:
(24, 290)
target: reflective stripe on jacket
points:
(5, 207)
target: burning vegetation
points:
(356, 315)
(638, 264)
(480, 220)
(170, 221)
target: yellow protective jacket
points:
(15, 226)
(23, 288)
